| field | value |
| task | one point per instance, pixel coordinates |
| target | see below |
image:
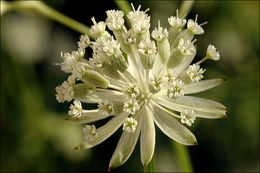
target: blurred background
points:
(36, 138)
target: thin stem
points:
(147, 79)
(202, 60)
(41, 8)
(151, 166)
(183, 157)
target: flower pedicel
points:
(139, 82)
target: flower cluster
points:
(138, 79)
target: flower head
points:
(138, 83)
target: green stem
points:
(185, 8)
(41, 8)
(151, 166)
(183, 157)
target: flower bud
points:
(94, 78)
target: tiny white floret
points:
(176, 88)
(188, 117)
(195, 72)
(212, 53)
(75, 109)
(130, 125)
(89, 133)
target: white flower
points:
(195, 72)
(212, 53)
(176, 22)
(176, 88)
(140, 21)
(115, 19)
(76, 109)
(84, 41)
(138, 84)
(194, 27)
(186, 47)
(131, 106)
(159, 33)
(131, 90)
(98, 28)
(130, 125)
(65, 91)
(188, 117)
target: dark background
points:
(35, 137)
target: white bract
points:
(138, 82)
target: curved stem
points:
(185, 8)
(183, 157)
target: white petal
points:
(189, 102)
(147, 141)
(171, 127)
(87, 116)
(104, 131)
(125, 145)
(200, 86)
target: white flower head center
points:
(195, 72)
(212, 53)
(89, 133)
(130, 125)
(106, 107)
(188, 117)
(186, 47)
(176, 88)
(76, 109)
